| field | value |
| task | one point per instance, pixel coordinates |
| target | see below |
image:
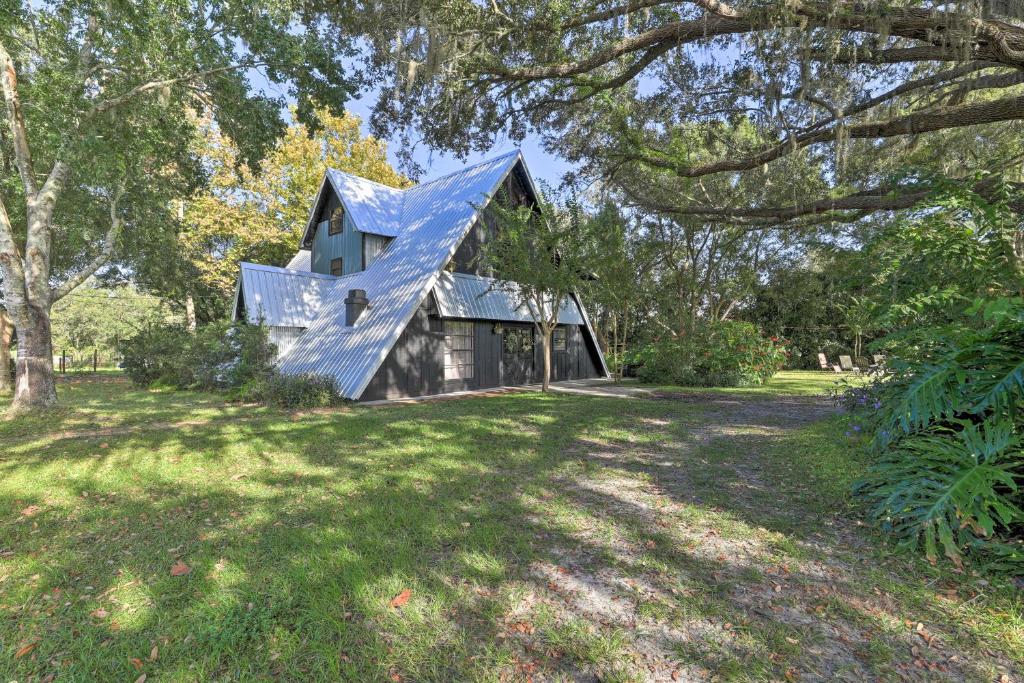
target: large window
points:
(458, 349)
(337, 222)
(337, 267)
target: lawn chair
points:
(878, 360)
(846, 364)
(823, 362)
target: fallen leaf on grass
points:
(792, 641)
(137, 663)
(401, 598)
(141, 679)
(522, 627)
(154, 653)
(31, 510)
(179, 568)
(25, 649)
(99, 613)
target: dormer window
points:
(337, 224)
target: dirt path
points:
(735, 581)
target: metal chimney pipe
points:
(355, 303)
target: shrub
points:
(719, 354)
(945, 426)
(293, 391)
(154, 356)
(216, 356)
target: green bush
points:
(154, 356)
(292, 391)
(216, 356)
(719, 354)
(945, 426)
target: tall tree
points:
(621, 295)
(854, 85)
(94, 96)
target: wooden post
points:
(63, 362)
(95, 359)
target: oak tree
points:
(848, 89)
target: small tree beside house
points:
(538, 255)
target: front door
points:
(517, 355)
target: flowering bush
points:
(719, 354)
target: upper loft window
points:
(337, 223)
(337, 267)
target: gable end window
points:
(337, 267)
(337, 224)
(458, 349)
(558, 339)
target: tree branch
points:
(926, 121)
(16, 123)
(104, 255)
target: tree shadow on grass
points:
(300, 530)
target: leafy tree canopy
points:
(856, 107)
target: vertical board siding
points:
(347, 245)
(415, 364)
(487, 356)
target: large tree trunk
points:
(6, 332)
(34, 382)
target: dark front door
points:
(517, 355)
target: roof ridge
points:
(516, 152)
(367, 180)
(289, 271)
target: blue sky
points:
(543, 166)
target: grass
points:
(785, 383)
(540, 537)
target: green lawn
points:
(518, 537)
(785, 383)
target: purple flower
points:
(856, 428)
(878, 404)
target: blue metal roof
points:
(301, 261)
(467, 296)
(283, 297)
(435, 216)
(373, 207)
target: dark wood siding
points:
(415, 365)
(487, 356)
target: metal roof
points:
(301, 261)
(468, 296)
(435, 216)
(283, 297)
(373, 207)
